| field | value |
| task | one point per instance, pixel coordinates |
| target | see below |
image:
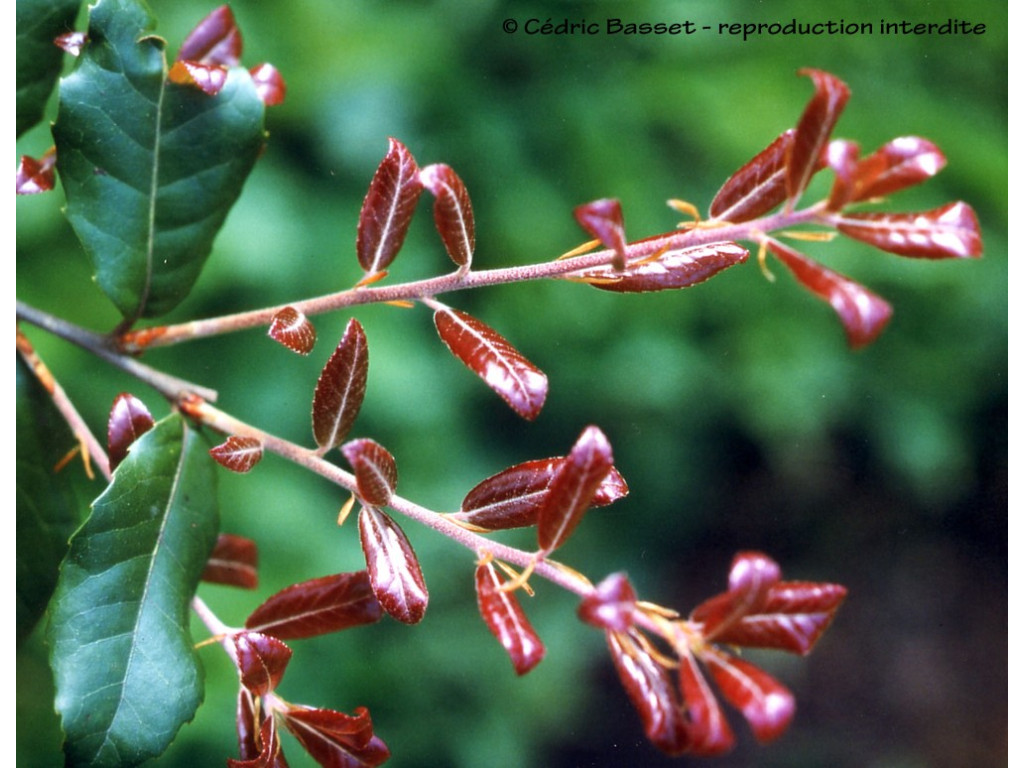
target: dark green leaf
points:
(150, 168)
(39, 60)
(126, 675)
(47, 506)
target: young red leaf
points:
(341, 387)
(512, 497)
(35, 176)
(269, 84)
(208, 78)
(505, 618)
(751, 577)
(261, 661)
(842, 159)
(793, 618)
(337, 740)
(375, 470)
(453, 214)
(395, 574)
(652, 692)
(758, 186)
(215, 40)
(610, 605)
(258, 744)
(862, 313)
(603, 220)
(767, 705)
(573, 488)
(71, 43)
(501, 366)
(239, 454)
(901, 163)
(387, 209)
(293, 329)
(814, 130)
(950, 231)
(317, 607)
(679, 268)
(129, 420)
(233, 562)
(707, 728)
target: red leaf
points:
(239, 454)
(862, 313)
(293, 329)
(842, 159)
(394, 570)
(341, 387)
(337, 740)
(259, 745)
(950, 231)
(603, 220)
(261, 661)
(215, 40)
(208, 78)
(751, 577)
(901, 163)
(511, 498)
(813, 130)
(375, 470)
(793, 618)
(317, 607)
(71, 42)
(678, 268)
(505, 618)
(610, 605)
(232, 562)
(387, 209)
(247, 728)
(573, 488)
(485, 352)
(767, 705)
(129, 420)
(269, 84)
(453, 214)
(758, 186)
(707, 728)
(651, 691)
(35, 176)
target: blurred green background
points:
(737, 414)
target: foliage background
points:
(737, 414)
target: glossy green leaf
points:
(47, 506)
(39, 60)
(126, 674)
(150, 168)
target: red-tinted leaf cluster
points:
(394, 570)
(666, 270)
(677, 705)
(129, 419)
(504, 616)
(603, 220)
(341, 387)
(35, 176)
(453, 213)
(211, 49)
(375, 471)
(317, 607)
(387, 210)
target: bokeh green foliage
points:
(737, 415)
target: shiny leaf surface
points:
(512, 497)
(126, 673)
(505, 618)
(269, 83)
(340, 388)
(259, 743)
(603, 220)
(674, 269)
(387, 209)
(610, 605)
(948, 232)
(814, 130)
(317, 607)
(758, 186)
(233, 562)
(572, 489)
(375, 471)
(239, 454)
(750, 579)
(129, 419)
(214, 40)
(293, 329)
(208, 78)
(708, 730)
(261, 661)
(394, 570)
(337, 740)
(901, 163)
(501, 366)
(863, 314)
(453, 213)
(767, 705)
(841, 157)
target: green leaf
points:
(47, 504)
(39, 60)
(150, 168)
(126, 674)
